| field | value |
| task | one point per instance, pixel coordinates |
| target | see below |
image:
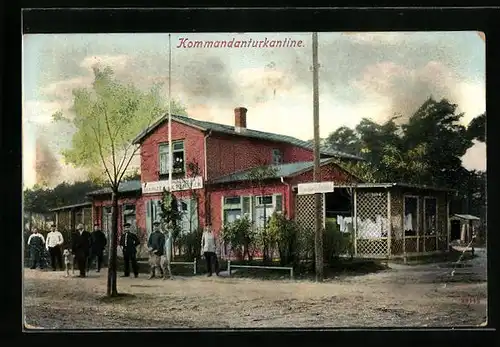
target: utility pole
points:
(318, 234)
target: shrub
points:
(240, 237)
(284, 233)
(191, 244)
(335, 243)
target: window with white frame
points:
(232, 209)
(178, 157)
(256, 208)
(277, 156)
(265, 206)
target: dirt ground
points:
(405, 296)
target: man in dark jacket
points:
(98, 242)
(129, 242)
(81, 248)
(36, 244)
(156, 247)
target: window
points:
(128, 214)
(277, 156)
(255, 208)
(177, 156)
(232, 209)
(410, 222)
(265, 206)
(430, 216)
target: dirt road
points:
(402, 296)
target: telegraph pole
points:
(318, 234)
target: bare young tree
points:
(107, 116)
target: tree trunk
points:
(112, 263)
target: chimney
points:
(240, 119)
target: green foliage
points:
(240, 236)
(335, 243)
(40, 199)
(106, 118)
(477, 128)
(425, 149)
(284, 233)
(169, 212)
(191, 244)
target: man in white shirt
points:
(208, 249)
(35, 243)
(53, 244)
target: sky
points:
(362, 75)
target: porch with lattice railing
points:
(378, 223)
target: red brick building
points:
(214, 173)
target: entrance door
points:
(455, 230)
(189, 215)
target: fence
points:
(229, 266)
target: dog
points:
(165, 267)
(69, 261)
(162, 263)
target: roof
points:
(124, 187)
(282, 170)
(67, 207)
(465, 217)
(390, 185)
(228, 129)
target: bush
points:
(335, 243)
(191, 244)
(284, 233)
(240, 237)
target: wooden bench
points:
(229, 266)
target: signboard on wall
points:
(177, 185)
(315, 187)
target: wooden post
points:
(389, 226)
(83, 217)
(448, 223)
(355, 223)
(318, 239)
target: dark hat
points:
(126, 225)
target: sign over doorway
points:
(315, 187)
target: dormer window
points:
(277, 157)
(179, 163)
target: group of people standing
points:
(86, 247)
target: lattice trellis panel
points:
(305, 216)
(371, 223)
(396, 223)
(442, 223)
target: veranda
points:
(384, 220)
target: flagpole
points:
(170, 149)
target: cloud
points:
(475, 157)
(404, 90)
(40, 112)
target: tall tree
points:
(477, 128)
(437, 125)
(344, 139)
(107, 116)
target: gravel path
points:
(403, 296)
